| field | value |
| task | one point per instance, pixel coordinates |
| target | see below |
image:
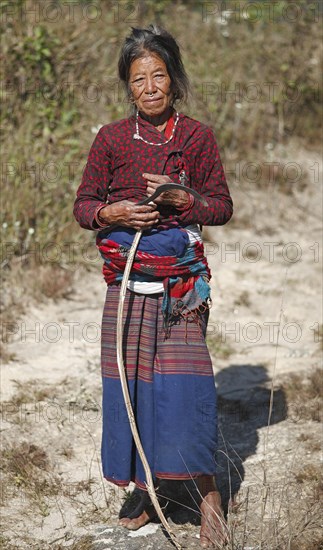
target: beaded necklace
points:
(138, 136)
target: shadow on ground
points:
(243, 405)
(244, 395)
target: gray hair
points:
(160, 42)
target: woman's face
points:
(150, 84)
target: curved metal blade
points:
(167, 186)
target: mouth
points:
(154, 100)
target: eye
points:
(137, 80)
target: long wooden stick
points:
(121, 367)
(124, 385)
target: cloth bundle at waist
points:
(162, 255)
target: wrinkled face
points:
(150, 84)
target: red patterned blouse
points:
(117, 161)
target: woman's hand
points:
(130, 214)
(178, 199)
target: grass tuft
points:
(305, 394)
(218, 346)
(53, 282)
(20, 460)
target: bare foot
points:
(143, 513)
(214, 531)
(136, 523)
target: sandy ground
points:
(266, 286)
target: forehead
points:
(149, 62)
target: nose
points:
(150, 86)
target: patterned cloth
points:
(172, 391)
(185, 276)
(116, 163)
(171, 241)
(170, 380)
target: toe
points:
(136, 523)
(124, 522)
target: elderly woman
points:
(168, 365)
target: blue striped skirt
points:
(172, 390)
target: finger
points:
(145, 208)
(151, 177)
(135, 207)
(151, 188)
(139, 214)
(153, 184)
(144, 225)
(146, 217)
(142, 207)
(157, 200)
(157, 178)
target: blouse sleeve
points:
(92, 193)
(208, 179)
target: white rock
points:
(148, 529)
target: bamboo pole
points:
(121, 367)
(124, 385)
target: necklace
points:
(138, 136)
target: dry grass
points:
(307, 514)
(6, 544)
(310, 441)
(278, 515)
(53, 281)
(46, 137)
(26, 472)
(24, 463)
(28, 392)
(33, 391)
(71, 398)
(6, 355)
(51, 136)
(44, 128)
(316, 544)
(218, 346)
(243, 299)
(11, 307)
(21, 459)
(30, 474)
(82, 543)
(304, 394)
(318, 336)
(312, 474)
(29, 283)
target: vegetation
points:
(305, 395)
(255, 79)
